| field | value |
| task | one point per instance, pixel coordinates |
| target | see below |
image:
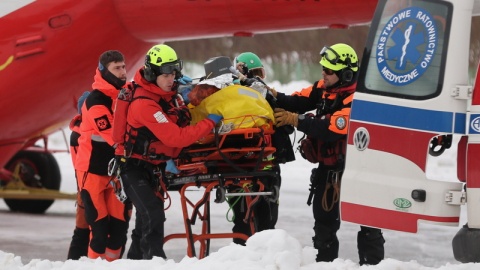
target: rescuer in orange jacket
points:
(326, 144)
(157, 130)
(107, 217)
(81, 234)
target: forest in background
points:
(293, 56)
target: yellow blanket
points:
(240, 105)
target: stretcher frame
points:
(218, 163)
(201, 208)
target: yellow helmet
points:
(338, 57)
(161, 59)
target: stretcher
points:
(234, 163)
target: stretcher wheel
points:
(220, 195)
(275, 194)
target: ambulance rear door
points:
(410, 94)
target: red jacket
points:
(168, 137)
(95, 143)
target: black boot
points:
(135, 252)
(327, 251)
(79, 245)
(238, 205)
(370, 243)
(326, 242)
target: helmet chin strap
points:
(341, 83)
(334, 86)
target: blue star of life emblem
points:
(406, 46)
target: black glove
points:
(182, 114)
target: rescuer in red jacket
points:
(157, 130)
(107, 217)
(326, 144)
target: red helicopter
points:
(414, 71)
(48, 49)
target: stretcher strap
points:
(232, 164)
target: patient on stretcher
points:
(243, 138)
(246, 137)
(240, 106)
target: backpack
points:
(119, 130)
(329, 153)
(124, 137)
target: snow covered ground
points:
(41, 241)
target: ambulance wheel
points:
(38, 169)
(466, 245)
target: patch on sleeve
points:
(160, 117)
(103, 123)
(341, 122)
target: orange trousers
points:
(106, 216)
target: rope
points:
(166, 196)
(235, 201)
(230, 208)
(335, 184)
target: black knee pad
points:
(91, 213)
(118, 230)
(98, 242)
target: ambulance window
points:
(408, 49)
